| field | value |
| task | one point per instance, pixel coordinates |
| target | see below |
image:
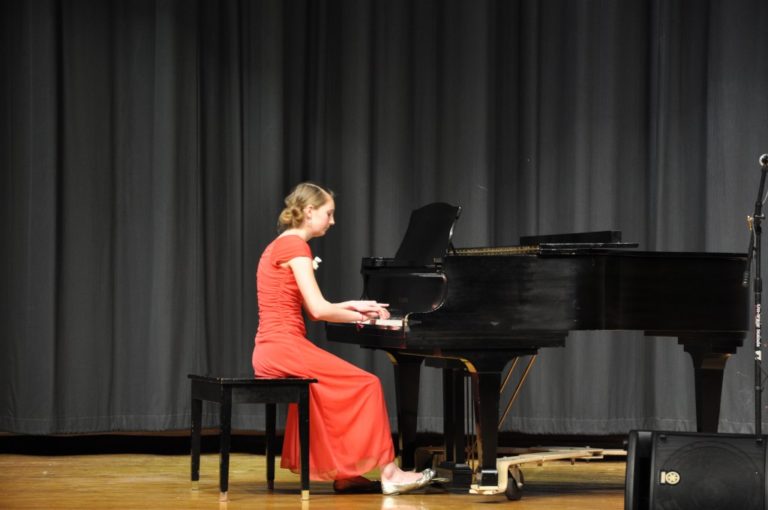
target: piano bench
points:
(249, 390)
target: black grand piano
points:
(474, 310)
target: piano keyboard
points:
(383, 323)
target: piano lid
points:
(577, 241)
(601, 237)
(553, 244)
(429, 233)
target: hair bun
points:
(303, 195)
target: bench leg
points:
(197, 418)
(304, 440)
(270, 440)
(226, 429)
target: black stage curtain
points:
(146, 146)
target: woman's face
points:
(320, 219)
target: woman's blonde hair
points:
(304, 194)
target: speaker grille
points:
(707, 472)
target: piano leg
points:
(708, 380)
(407, 375)
(454, 468)
(709, 355)
(485, 387)
(453, 414)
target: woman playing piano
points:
(349, 427)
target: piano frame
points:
(534, 300)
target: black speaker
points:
(687, 471)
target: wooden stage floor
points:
(162, 482)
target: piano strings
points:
(496, 251)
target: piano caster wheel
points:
(514, 490)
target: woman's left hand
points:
(379, 313)
(371, 309)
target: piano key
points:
(383, 323)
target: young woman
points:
(349, 426)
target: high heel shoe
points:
(391, 488)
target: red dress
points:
(348, 424)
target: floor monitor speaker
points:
(689, 471)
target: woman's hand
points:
(379, 313)
(370, 309)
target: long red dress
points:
(348, 424)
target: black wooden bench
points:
(249, 390)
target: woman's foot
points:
(356, 485)
(396, 481)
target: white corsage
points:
(316, 262)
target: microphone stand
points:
(754, 253)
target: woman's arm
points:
(319, 308)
